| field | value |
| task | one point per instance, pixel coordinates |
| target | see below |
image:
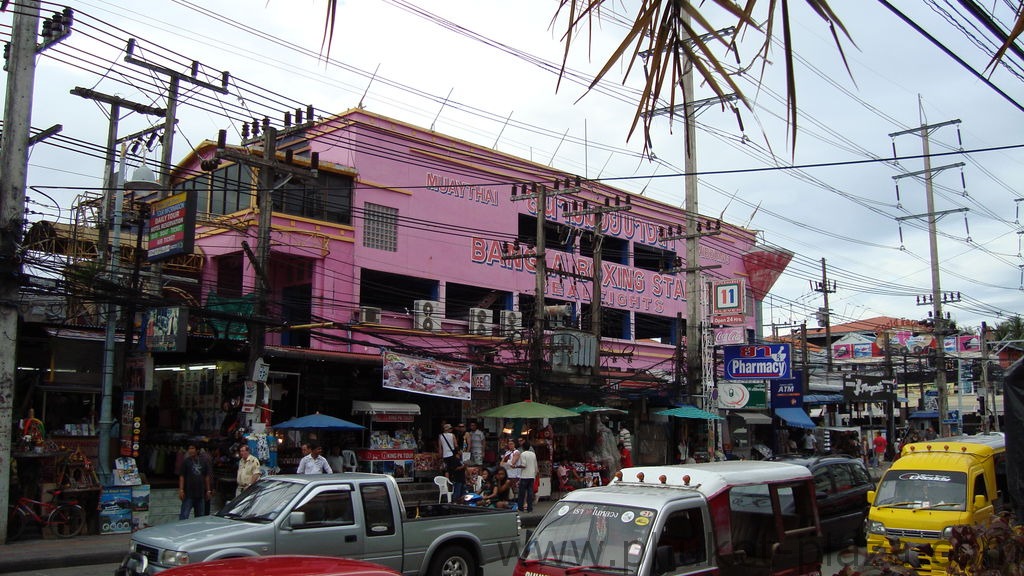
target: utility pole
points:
(598, 212)
(694, 311)
(986, 390)
(540, 193)
(14, 145)
(112, 186)
(825, 313)
(269, 169)
(170, 118)
(924, 131)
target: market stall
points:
(391, 444)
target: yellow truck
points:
(933, 486)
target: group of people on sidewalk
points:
(195, 475)
(513, 481)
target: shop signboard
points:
(736, 395)
(788, 393)
(172, 226)
(482, 382)
(966, 380)
(427, 376)
(758, 362)
(727, 319)
(730, 335)
(728, 297)
(167, 329)
(867, 388)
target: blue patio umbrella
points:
(317, 421)
(690, 412)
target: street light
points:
(142, 179)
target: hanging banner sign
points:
(760, 362)
(249, 400)
(427, 376)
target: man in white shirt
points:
(527, 477)
(475, 440)
(314, 462)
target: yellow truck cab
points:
(933, 486)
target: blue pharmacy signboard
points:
(758, 362)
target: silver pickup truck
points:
(353, 515)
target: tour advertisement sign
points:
(428, 376)
(758, 362)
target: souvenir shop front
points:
(391, 445)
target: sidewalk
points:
(48, 553)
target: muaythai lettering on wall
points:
(462, 190)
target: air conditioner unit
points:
(427, 315)
(369, 315)
(481, 321)
(511, 322)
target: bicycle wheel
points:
(16, 522)
(67, 520)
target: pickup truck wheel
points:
(453, 561)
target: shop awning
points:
(925, 414)
(690, 412)
(795, 417)
(371, 407)
(823, 399)
(753, 417)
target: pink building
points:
(403, 243)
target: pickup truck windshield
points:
(262, 502)
(592, 537)
(928, 489)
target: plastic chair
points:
(349, 463)
(445, 488)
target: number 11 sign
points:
(728, 297)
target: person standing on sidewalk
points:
(475, 440)
(248, 469)
(194, 484)
(527, 477)
(879, 444)
(314, 462)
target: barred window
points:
(380, 227)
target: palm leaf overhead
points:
(670, 34)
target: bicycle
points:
(64, 517)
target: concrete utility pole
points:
(932, 217)
(598, 211)
(14, 145)
(694, 312)
(825, 313)
(112, 186)
(269, 170)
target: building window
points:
(328, 198)
(380, 227)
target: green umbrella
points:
(528, 409)
(691, 412)
(587, 408)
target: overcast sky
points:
(465, 67)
